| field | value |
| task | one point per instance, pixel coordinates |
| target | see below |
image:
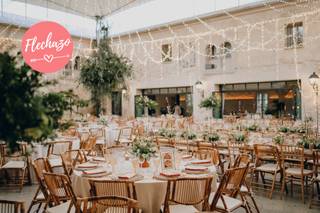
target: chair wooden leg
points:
(291, 185)
(22, 179)
(254, 203)
(311, 195)
(273, 184)
(33, 200)
(283, 185)
(318, 189)
(302, 188)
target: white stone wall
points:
(259, 53)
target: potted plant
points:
(239, 137)
(162, 132)
(283, 129)
(188, 135)
(309, 143)
(278, 139)
(170, 133)
(144, 149)
(253, 128)
(212, 103)
(146, 103)
(213, 137)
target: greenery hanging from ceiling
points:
(104, 72)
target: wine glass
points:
(135, 164)
(156, 163)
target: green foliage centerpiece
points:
(144, 149)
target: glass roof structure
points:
(78, 16)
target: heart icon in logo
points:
(48, 58)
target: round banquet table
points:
(150, 191)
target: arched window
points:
(211, 50)
(227, 49)
(211, 53)
(76, 65)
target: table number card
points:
(167, 157)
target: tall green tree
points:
(22, 114)
(25, 113)
(103, 72)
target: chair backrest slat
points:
(229, 185)
(8, 206)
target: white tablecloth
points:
(150, 192)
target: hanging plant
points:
(102, 73)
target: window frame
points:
(294, 35)
(164, 58)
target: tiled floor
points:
(289, 204)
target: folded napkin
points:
(99, 159)
(94, 171)
(127, 176)
(196, 168)
(199, 162)
(186, 156)
(170, 173)
(87, 165)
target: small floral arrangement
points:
(300, 130)
(103, 120)
(278, 139)
(284, 129)
(240, 137)
(145, 101)
(213, 137)
(308, 143)
(162, 132)
(253, 128)
(188, 135)
(169, 133)
(143, 148)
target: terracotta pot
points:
(145, 164)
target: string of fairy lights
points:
(146, 49)
(143, 49)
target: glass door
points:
(116, 103)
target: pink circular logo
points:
(47, 47)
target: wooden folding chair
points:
(245, 190)
(267, 161)
(60, 192)
(125, 136)
(293, 159)
(122, 188)
(224, 199)
(88, 146)
(316, 178)
(8, 206)
(212, 154)
(70, 160)
(15, 167)
(187, 192)
(41, 196)
(110, 204)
